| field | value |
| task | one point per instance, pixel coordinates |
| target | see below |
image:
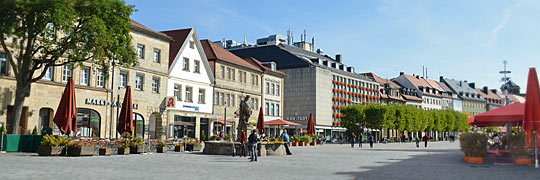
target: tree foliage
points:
(403, 118)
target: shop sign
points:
(193, 107)
(171, 102)
(99, 102)
(296, 118)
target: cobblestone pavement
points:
(330, 161)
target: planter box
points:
(294, 144)
(50, 150)
(81, 151)
(474, 160)
(123, 151)
(523, 161)
(136, 149)
(105, 152)
(162, 149)
(178, 148)
(313, 143)
(189, 147)
(301, 143)
(197, 147)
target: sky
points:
(458, 39)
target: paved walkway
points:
(329, 161)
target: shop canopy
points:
(511, 114)
(279, 122)
(228, 122)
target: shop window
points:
(138, 120)
(88, 123)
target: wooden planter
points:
(523, 161)
(294, 143)
(178, 148)
(189, 147)
(313, 143)
(105, 152)
(81, 151)
(50, 150)
(123, 151)
(162, 149)
(473, 160)
(136, 149)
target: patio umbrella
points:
(260, 122)
(531, 115)
(125, 122)
(66, 114)
(511, 114)
(310, 125)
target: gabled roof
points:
(445, 87)
(215, 52)
(414, 98)
(143, 29)
(179, 37)
(421, 82)
(489, 95)
(263, 68)
(381, 81)
(461, 88)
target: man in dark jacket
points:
(426, 139)
(252, 140)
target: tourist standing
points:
(341, 139)
(360, 138)
(285, 138)
(252, 140)
(371, 141)
(353, 136)
(243, 143)
(426, 139)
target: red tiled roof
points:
(407, 97)
(179, 36)
(434, 84)
(140, 26)
(489, 95)
(423, 82)
(260, 65)
(380, 80)
(214, 52)
(386, 96)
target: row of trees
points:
(402, 118)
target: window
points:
(197, 66)
(185, 67)
(140, 51)
(139, 79)
(155, 85)
(222, 72)
(100, 80)
(157, 54)
(177, 92)
(233, 72)
(252, 79)
(123, 79)
(227, 97)
(67, 72)
(267, 88)
(242, 76)
(277, 109)
(189, 92)
(272, 109)
(201, 96)
(216, 98)
(231, 100)
(85, 75)
(3, 64)
(48, 75)
(191, 44)
(266, 109)
(229, 73)
(273, 90)
(278, 90)
(221, 98)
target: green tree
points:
(36, 35)
(353, 118)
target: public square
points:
(441, 160)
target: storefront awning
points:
(182, 123)
(221, 122)
(279, 122)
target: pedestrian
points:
(496, 140)
(243, 143)
(252, 140)
(353, 136)
(371, 139)
(233, 148)
(403, 138)
(417, 142)
(285, 138)
(360, 140)
(426, 139)
(341, 139)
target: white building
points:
(190, 86)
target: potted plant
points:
(227, 138)
(80, 148)
(136, 146)
(214, 138)
(179, 147)
(203, 137)
(196, 145)
(52, 146)
(313, 139)
(161, 147)
(104, 151)
(474, 146)
(123, 149)
(517, 148)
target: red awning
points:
(511, 114)
(221, 122)
(279, 122)
(181, 123)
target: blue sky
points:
(460, 39)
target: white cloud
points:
(507, 14)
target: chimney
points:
(441, 78)
(401, 73)
(338, 58)
(485, 90)
(460, 83)
(417, 77)
(471, 85)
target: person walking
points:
(426, 139)
(341, 139)
(285, 138)
(417, 142)
(252, 140)
(403, 138)
(360, 140)
(243, 143)
(353, 136)
(371, 139)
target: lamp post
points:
(224, 119)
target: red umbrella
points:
(531, 116)
(310, 125)
(66, 113)
(260, 122)
(125, 122)
(511, 114)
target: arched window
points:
(88, 123)
(138, 120)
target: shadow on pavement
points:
(442, 164)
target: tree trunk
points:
(23, 86)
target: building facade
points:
(389, 91)
(428, 90)
(99, 96)
(493, 101)
(190, 86)
(473, 103)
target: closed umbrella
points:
(66, 113)
(260, 122)
(531, 116)
(125, 121)
(310, 125)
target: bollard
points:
(2, 142)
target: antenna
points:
(304, 35)
(505, 79)
(289, 36)
(423, 71)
